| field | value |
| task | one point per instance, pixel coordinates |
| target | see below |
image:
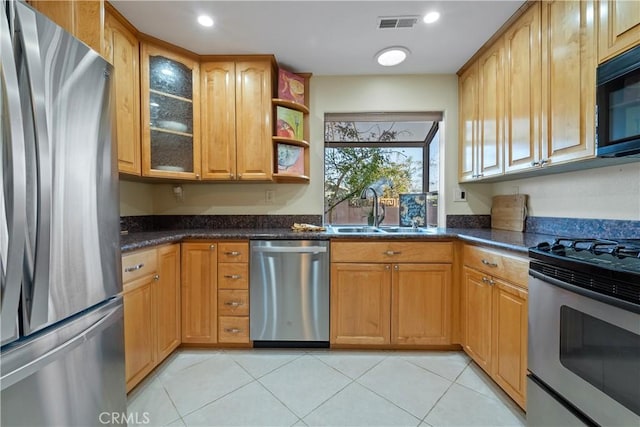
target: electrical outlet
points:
(459, 195)
(270, 197)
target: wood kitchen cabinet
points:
(619, 27)
(215, 286)
(494, 311)
(237, 118)
(151, 285)
(121, 48)
(199, 292)
(522, 91)
(568, 81)
(390, 293)
(481, 93)
(170, 110)
(84, 19)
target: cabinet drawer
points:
(233, 276)
(233, 252)
(376, 251)
(233, 303)
(496, 263)
(138, 264)
(233, 329)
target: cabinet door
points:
(254, 147)
(139, 348)
(619, 27)
(509, 366)
(83, 19)
(199, 293)
(122, 50)
(167, 297)
(491, 111)
(522, 91)
(568, 80)
(170, 109)
(218, 87)
(360, 303)
(468, 99)
(476, 307)
(421, 304)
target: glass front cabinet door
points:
(170, 114)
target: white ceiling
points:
(326, 37)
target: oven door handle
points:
(586, 292)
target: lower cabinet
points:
(394, 303)
(494, 312)
(151, 295)
(215, 292)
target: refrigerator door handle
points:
(38, 295)
(8, 379)
(13, 201)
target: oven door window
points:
(606, 356)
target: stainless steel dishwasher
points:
(289, 282)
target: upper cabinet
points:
(527, 100)
(170, 114)
(121, 48)
(84, 19)
(568, 81)
(619, 27)
(237, 118)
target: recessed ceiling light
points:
(205, 21)
(392, 56)
(431, 17)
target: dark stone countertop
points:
(510, 240)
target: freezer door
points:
(72, 244)
(12, 187)
(71, 375)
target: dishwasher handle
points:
(290, 249)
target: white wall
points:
(136, 198)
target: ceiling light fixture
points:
(431, 17)
(205, 21)
(392, 56)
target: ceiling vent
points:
(396, 22)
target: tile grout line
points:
(445, 392)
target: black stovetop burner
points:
(603, 266)
(622, 255)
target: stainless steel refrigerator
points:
(61, 317)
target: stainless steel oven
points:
(584, 335)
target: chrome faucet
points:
(363, 195)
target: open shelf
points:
(291, 141)
(290, 178)
(290, 104)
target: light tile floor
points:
(320, 388)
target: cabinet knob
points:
(396, 267)
(156, 277)
(239, 176)
(488, 281)
(387, 267)
(230, 175)
(197, 176)
(212, 247)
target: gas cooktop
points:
(604, 266)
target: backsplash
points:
(468, 221)
(181, 222)
(585, 228)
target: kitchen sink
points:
(350, 230)
(392, 229)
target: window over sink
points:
(396, 154)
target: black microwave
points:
(618, 106)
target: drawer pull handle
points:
(488, 281)
(232, 330)
(233, 253)
(392, 252)
(489, 263)
(232, 276)
(233, 303)
(134, 268)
